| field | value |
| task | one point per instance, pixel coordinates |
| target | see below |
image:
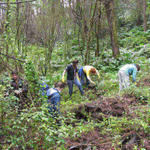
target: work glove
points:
(63, 79)
(78, 78)
(93, 83)
(17, 92)
(6, 94)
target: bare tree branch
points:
(2, 7)
(5, 64)
(12, 57)
(1, 3)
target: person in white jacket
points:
(124, 73)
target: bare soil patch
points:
(144, 82)
(133, 138)
(90, 140)
(104, 108)
(94, 139)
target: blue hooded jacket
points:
(130, 69)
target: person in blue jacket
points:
(53, 95)
(124, 73)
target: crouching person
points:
(125, 72)
(53, 95)
(19, 87)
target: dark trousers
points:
(77, 83)
(54, 103)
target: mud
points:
(106, 106)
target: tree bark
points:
(52, 38)
(98, 27)
(144, 15)
(1, 3)
(91, 23)
(7, 28)
(139, 16)
(109, 6)
(17, 26)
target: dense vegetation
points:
(39, 44)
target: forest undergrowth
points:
(119, 122)
(102, 119)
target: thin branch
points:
(1, 3)
(5, 64)
(12, 57)
(2, 7)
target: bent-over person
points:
(85, 72)
(53, 96)
(125, 72)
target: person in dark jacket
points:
(20, 90)
(72, 77)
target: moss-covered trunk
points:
(111, 17)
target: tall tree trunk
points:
(139, 16)
(91, 23)
(7, 28)
(26, 25)
(84, 27)
(51, 41)
(17, 26)
(80, 23)
(98, 26)
(111, 17)
(65, 30)
(144, 15)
